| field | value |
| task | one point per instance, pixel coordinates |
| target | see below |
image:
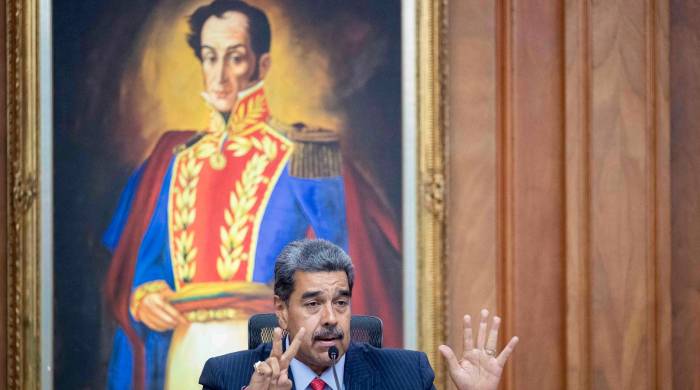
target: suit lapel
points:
(291, 377)
(358, 373)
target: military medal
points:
(217, 161)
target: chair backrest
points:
(364, 329)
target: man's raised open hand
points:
(480, 367)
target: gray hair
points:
(309, 256)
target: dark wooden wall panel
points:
(3, 201)
(577, 53)
(581, 169)
(472, 144)
(536, 202)
(685, 150)
(619, 182)
(472, 61)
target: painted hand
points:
(157, 313)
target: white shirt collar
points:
(303, 375)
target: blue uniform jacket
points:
(294, 205)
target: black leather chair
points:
(365, 329)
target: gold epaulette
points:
(316, 150)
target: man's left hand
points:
(273, 373)
(480, 367)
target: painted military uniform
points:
(223, 206)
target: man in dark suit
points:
(313, 290)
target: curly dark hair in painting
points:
(258, 24)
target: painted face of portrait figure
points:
(232, 41)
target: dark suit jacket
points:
(366, 367)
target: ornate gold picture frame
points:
(29, 279)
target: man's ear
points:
(264, 65)
(281, 312)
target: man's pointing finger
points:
(289, 354)
(277, 343)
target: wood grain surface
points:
(620, 341)
(573, 206)
(685, 144)
(536, 195)
(471, 144)
(3, 201)
(571, 129)
(471, 147)
(577, 147)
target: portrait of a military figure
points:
(205, 140)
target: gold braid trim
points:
(241, 201)
(184, 216)
(316, 150)
(315, 160)
(207, 315)
(250, 112)
(141, 292)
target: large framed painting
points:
(163, 153)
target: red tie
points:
(317, 384)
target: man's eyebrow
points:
(229, 48)
(344, 293)
(310, 294)
(236, 46)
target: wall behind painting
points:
(99, 134)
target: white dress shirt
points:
(303, 375)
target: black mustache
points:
(329, 333)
